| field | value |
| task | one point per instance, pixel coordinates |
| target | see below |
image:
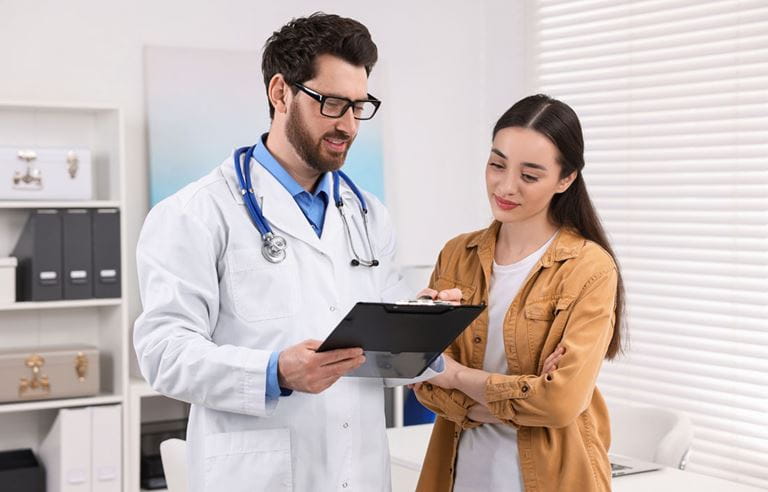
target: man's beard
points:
(312, 152)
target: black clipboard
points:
(400, 340)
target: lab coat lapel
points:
(280, 209)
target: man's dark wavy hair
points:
(292, 50)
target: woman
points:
(517, 404)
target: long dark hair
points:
(573, 208)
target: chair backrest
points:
(173, 453)
(650, 433)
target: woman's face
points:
(523, 175)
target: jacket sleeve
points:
(558, 399)
(179, 284)
(450, 404)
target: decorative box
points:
(45, 174)
(48, 372)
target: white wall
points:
(451, 68)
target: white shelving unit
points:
(146, 405)
(99, 322)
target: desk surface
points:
(408, 445)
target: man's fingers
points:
(339, 369)
(334, 356)
(312, 344)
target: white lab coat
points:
(215, 309)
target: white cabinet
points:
(99, 322)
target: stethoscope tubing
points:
(243, 171)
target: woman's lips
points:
(505, 204)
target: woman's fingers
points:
(430, 293)
(550, 364)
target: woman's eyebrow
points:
(498, 152)
(534, 165)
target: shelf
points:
(78, 303)
(28, 406)
(22, 204)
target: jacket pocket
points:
(248, 461)
(262, 290)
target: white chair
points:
(173, 453)
(648, 433)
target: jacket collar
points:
(566, 245)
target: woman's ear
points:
(278, 93)
(566, 182)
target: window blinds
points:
(673, 98)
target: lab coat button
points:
(345, 485)
(346, 425)
(332, 308)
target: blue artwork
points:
(198, 113)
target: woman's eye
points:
(497, 166)
(529, 178)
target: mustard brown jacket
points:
(562, 420)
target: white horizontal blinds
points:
(673, 98)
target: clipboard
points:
(400, 340)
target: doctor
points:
(239, 287)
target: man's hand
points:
(301, 368)
(480, 413)
(448, 295)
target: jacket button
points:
(524, 389)
(478, 340)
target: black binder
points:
(38, 251)
(106, 252)
(77, 248)
(400, 340)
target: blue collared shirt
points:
(313, 206)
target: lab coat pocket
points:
(263, 456)
(262, 290)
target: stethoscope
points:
(273, 245)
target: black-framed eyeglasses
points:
(336, 107)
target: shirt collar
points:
(268, 161)
(566, 245)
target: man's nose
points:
(347, 123)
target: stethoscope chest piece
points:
(273, 248)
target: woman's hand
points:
(448, 295)
(480, 413)
(554, 358)
(447, 378)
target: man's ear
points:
(279, 93)
(566, 182)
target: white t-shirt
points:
(487, 457)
